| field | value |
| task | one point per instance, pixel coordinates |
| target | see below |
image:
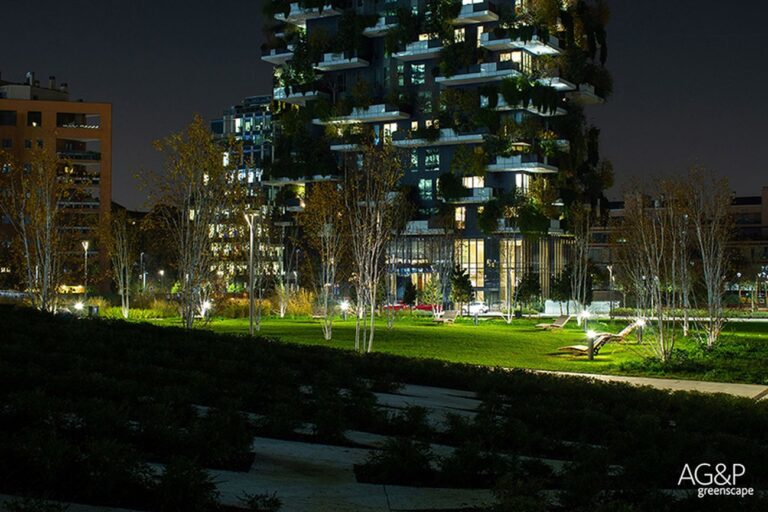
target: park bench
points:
(448, 317)
(559, 323)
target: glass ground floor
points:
(496, 265)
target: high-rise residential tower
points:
(485, 99)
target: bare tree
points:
(324, 227)
(370, 206)
(31, 199)
(197, 187)
(120, 243)
(581, 220)
(709, 206)
(284, 287)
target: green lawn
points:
(743, 350)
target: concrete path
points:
(314, 477)
(754, 391)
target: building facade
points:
(80, 134)
(483, 98)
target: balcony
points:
(299, 15)
(446, 137)
(552, 79)
(423, 227)
(373, 114)
(480, 73)
(502, 105)
(529, 163)
(294, 205)
(479, 12)
(476, 195)
(382, 26)
(288, 95)
(584, 95)
(420, 50)
(339, 61)
(278, 56)
(508, 226)
(88, 156)
(537, 45)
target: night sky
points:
(687, 77)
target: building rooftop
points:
(32, 89)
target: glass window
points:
(470, 255)
(401, 75)
(460, 216)
(432, 159)
(458, 35)
(473, 181)
(27, 143)
(7, 143)
(34, 119)
(425, 189)
(418, 74)
(414, 160)
(7, 118)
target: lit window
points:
(458, 35)
(414, 125)
(389, 129)
(418, 73)
(460, 216)
(401, 75)
(473, 181)
(414, 160)
(432, 159)
(425, 189)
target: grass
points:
(522, 345)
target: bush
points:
(301, 303)
(239, 307)
(261, 502)
(186, 486)
(401, 461)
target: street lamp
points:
(161, 273)
(250, 218)
(143, 273)
(85, 245)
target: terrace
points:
(475, 195)
(373, 114)
(481, 73)
(340, 61)
(584, 95)
(382, 26)
(277, 56)
(502, 105)
(299, 15)
(445, 137)
(288, 95)
(537, 45)
(530, 163)
(420, 50)
(477, 12)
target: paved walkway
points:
(755, 391)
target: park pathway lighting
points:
(584, 316)
(591, 335)
(640, 323)
(344, 308)
(79, 306)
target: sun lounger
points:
(448, 317)
(559, 323)
(583, 350)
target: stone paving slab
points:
(755, 391)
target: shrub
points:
(185, 486)
(33, 505)
(301, 303)
(401, 461)
(261, 502)
(239, 307)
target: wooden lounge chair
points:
(583, 350)
(448, 317)
(559, 323)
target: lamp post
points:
(250, 218)
(344, 308)
(143, 273)
(640, 322)
(610, 291)
(85, 245)
(161, 273)
(591, 335)
(585, 318)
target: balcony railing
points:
(529, 163)
(446, 137)
(382, 26)
(80, 126)
(80, 155)
(277, 56)
(552, 79)
(478, 12)
(476, 195)
(373, 114)
(537, 44)
(501, 104)
(584, 95)
(489, 71)
(297, 97)
(420, 50)
(338, 61)
(299, 15)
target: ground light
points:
(591, 335)
(79, 306)
(584, 315)
(640, 323)
(344, 305)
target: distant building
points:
(749, 245)
(79, 132)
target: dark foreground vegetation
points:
(121, 414)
